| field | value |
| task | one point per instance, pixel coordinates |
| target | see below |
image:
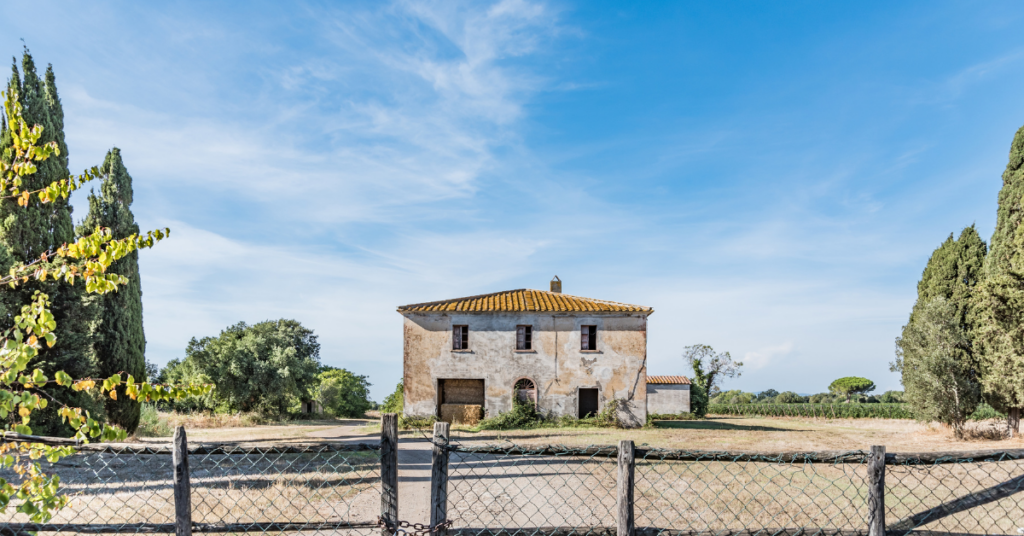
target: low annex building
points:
(469, 357)
(668, 395)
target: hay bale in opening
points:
(469, 414)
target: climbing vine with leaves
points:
(84, 262)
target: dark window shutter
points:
(528, 337)
(457, 338)
(585, 338)
(593, 337)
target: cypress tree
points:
(120, 343)
(952, 272)
(28, 232)
(945, 291)
(999, 299)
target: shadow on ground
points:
(713, 425)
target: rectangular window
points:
(588, 337)
(524, 337)
(460, 337)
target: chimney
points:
(556, 285)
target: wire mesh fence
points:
(720, 493)
(515, 488)
(512, 490)
(977, 494)
(526, 491)
(321, 488)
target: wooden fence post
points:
(876, 492)
(389, 471)
(439, 476)
(182, 488)
(627, 462)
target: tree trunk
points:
(1013, 422)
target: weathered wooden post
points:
(439, 477)
(876, 492)
(627, 462)
(182, 488)
(389, 472)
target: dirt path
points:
(414, 457)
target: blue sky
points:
(770, 177)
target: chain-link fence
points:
(130, 489)
(960, 493)
(519, 487)
(512, 490)
(516, 490)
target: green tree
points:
(999, 299)
(851, 385)
(268, 366)
(789, 397)
(395, 402)
(30, 227)
(892, 397)
(952, 273)
(940, 384)
(119, 342)
(709, 367)
(342, 393)
(85, 260)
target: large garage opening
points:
(588, 403)
(461, 401)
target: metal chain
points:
(419, 529)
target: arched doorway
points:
(525, 390)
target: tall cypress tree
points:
(952, 272)
(999, 300)
(120, 343)
(28, 232)
(947, 286)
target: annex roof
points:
(668, 380)
(524, 300)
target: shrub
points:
(789, 397)
(820, 398)
(985, 412)
(409, 423)
(523, 415)
(151, 425)
(891, 397)
(395, 402)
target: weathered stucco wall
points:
(668, 398)
(556, 364)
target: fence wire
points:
(716, 493)
(316, 488)
(956, 495)
(129, 489)
(520, 490)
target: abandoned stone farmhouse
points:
(469, 357)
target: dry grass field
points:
(778, 434)
(762, 434)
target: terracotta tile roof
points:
(668, 380)
(525, 300)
